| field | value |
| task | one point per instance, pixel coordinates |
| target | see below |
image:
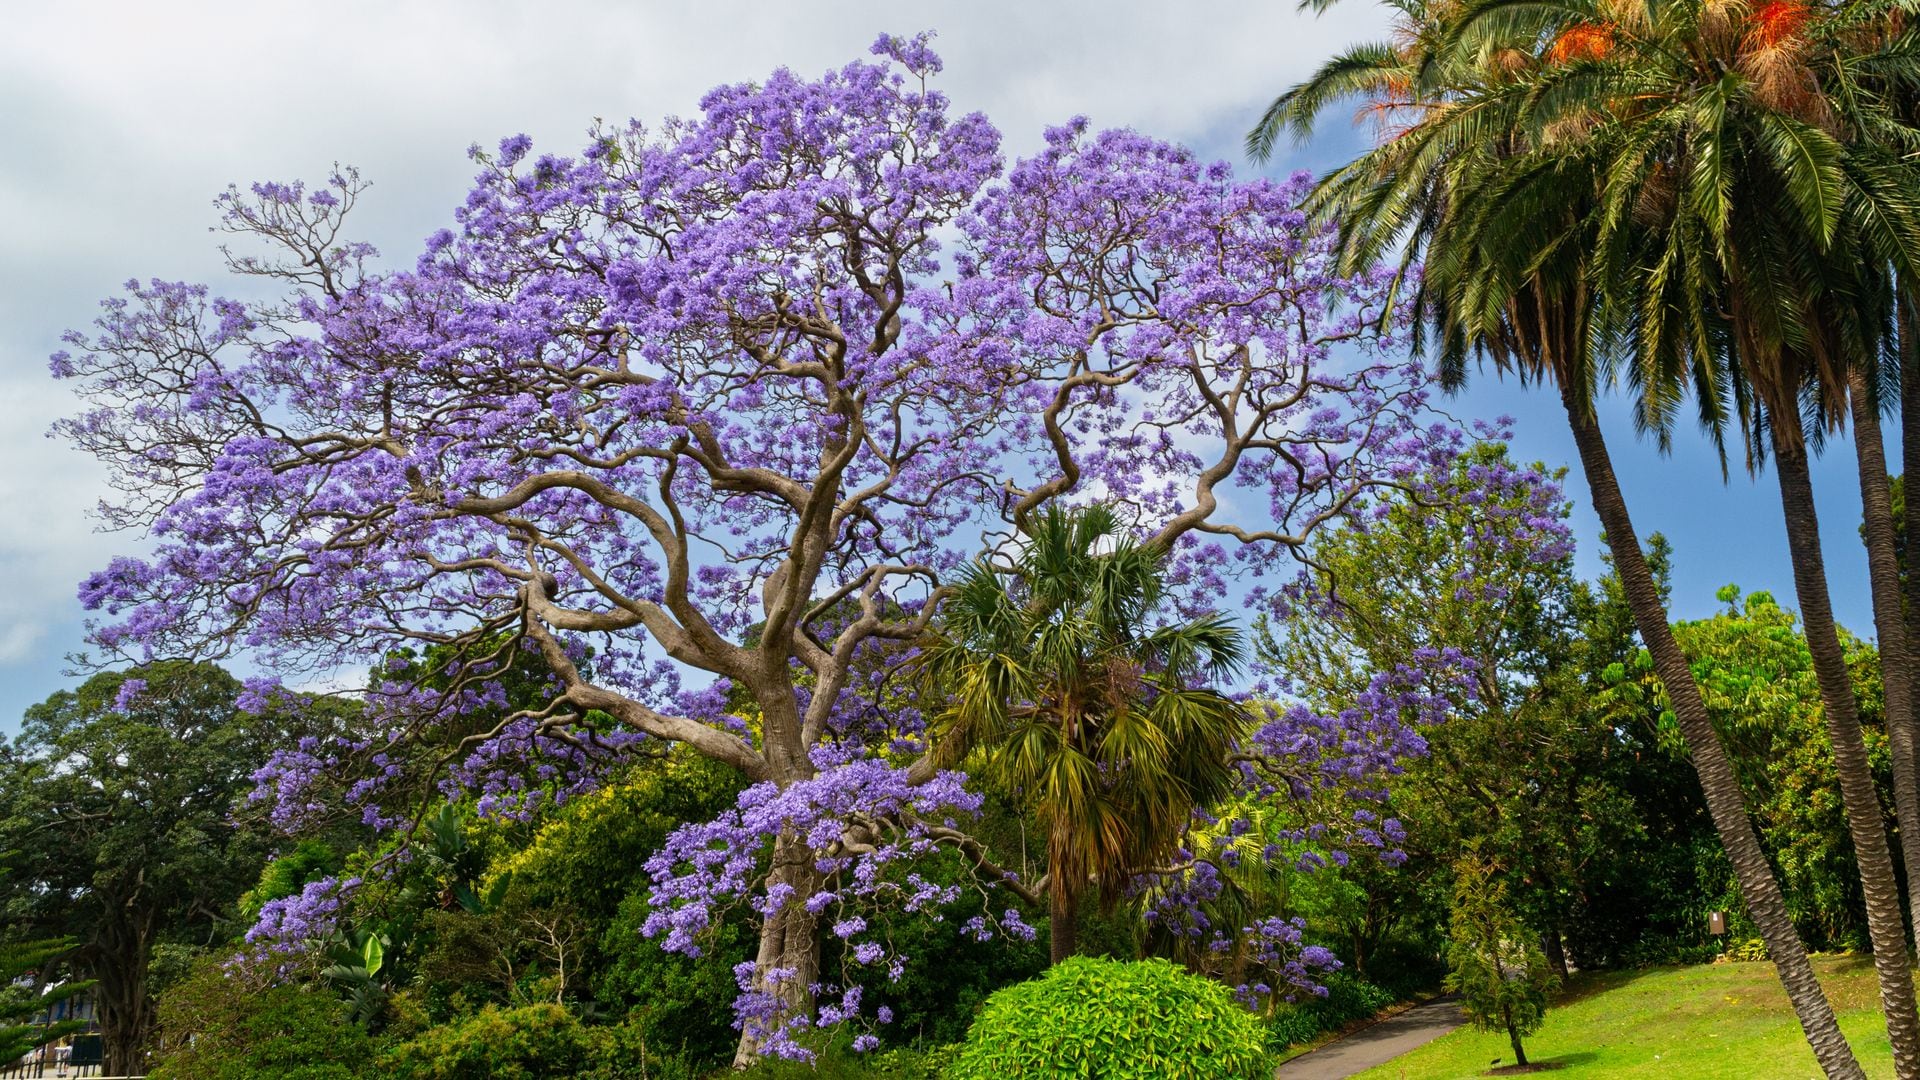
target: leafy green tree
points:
(120, 808)
(1757, 677)
(1496, 963)
(1055, 673)
(1527, 771)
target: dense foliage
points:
(1089, 1017)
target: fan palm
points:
(1054, 680)
(1505, 209)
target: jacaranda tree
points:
(724, 404)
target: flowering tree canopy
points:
(700, 421)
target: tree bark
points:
(1864, 820)
(1725, 804)
(1889, 621)
(1909, 325)
(1063, 902)
(121, 955)
(1519, 1052)
(787, 965)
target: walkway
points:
(1377, 1043)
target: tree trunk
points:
(1909, 322)
(1519, 1052)
(1556, 953)
(788, 963)
(122, 954)
(1758, 888)
(1063, 903)
(1865, 823)
(1889, 621)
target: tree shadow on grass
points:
(1557, 1061)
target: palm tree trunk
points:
(1725, 805)
(1864, 820)
(1063, 900)
(1889, 622)
(1909, 323)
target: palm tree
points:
(1724, 164)
(1876, 93)
(1053, 679)
(1504, 213)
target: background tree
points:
(1574, 805)
(119, 800)
(1757, 678)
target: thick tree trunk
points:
(1864, 821)
(787, 965)
(122, 955)
(1889, 621)
(1758, 888)
(1519, 1052)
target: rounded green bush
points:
(533, 1042)
(1113, 1021)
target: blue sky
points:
(123, 120)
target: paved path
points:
(1376, 1043)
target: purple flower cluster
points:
(289, 930)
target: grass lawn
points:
(1710, 1022)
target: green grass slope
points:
(1713, 1022)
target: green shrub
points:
(679, 1003)
(1348, 999)
(213, 1027)
(1660, 950)
(839, 1062)
(1117, 1021)
(534, 1042)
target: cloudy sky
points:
(119, 122)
